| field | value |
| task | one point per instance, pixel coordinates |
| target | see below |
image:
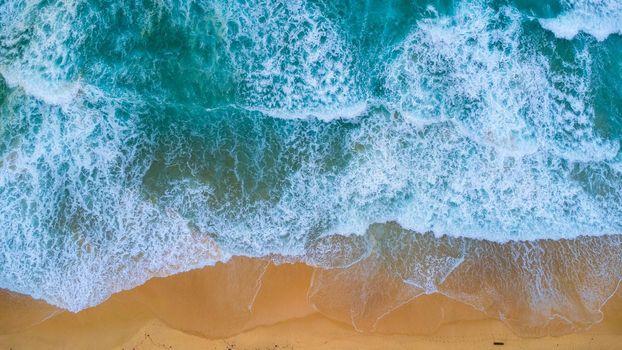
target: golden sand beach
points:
(254, 304)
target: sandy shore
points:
(254, 304)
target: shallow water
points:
(150, 138)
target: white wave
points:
(599, 18)
(473, 70)
(325, 114)
(59, 93)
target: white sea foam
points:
(71, 219)
(73, 215)
(325, 114)
(494, 131)
(59, 93)
(292, 60)
(599, 18)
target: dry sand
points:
(254, 304)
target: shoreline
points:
(254, 304)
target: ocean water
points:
(146, 138)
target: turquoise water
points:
(134, 133)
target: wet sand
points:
(254, 304)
